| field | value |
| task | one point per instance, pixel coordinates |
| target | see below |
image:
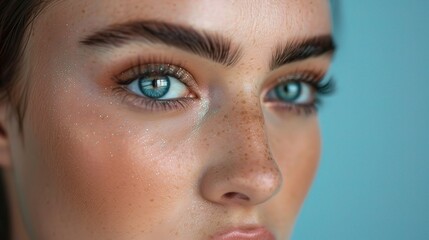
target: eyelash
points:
(316, 80)
(140, 69)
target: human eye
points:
(157, 87)
(299, 92)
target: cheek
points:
(295, 144)
(104, 172)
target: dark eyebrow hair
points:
(208, 45)
(302, 49)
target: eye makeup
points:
(286, 94)
(156, 72)
(298, 92)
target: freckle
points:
(152, 200)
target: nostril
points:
(236, 196)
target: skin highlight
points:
(92, 165)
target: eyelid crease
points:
(314, 76)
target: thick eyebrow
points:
(302, 49)
(207, 45)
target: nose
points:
(241, 169)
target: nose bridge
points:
(248, 131)
(251, 158)
(243, 116)
(244, 171)
(240, 123)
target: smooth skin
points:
(91, 166)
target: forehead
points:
(258, 22)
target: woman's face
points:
(169, 119)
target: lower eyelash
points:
(152, 104)
(305, 109)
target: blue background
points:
(373, 181)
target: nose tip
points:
(241, 185)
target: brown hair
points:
(16, 17)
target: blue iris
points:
(288, 92)
(154, 87)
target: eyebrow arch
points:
(207, 45)
(302, 49)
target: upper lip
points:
(245, 233)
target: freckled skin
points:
(91, 167)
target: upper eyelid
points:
(312, 77)
(152, 68)
(309, 77)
